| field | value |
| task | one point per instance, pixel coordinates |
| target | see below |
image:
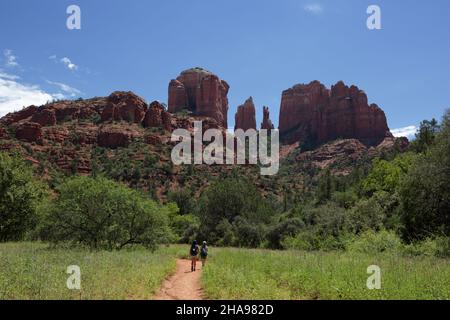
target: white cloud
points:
(73, 92)
(14, 95)
(8, 76)
(11, 60)
(314, 8)
(68, 63)
(408, 132)
(65, 61)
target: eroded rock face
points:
(344, 152)
(157, 117)
(3, 133)
(201, 92)
(313, 114)
(30, 132)
(245, 117)
(116, 137)
(266, 123)
(45, 117)
(19, 115)
(58, 135)
(124, 106)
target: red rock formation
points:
(3, 133)
(245, 117)
(30, 132)
(178, 99)
(153, 116)
(343, 153)
(19, 115)
(266, 123)
(313, 115)
(167, 121)
(116, 137)
(45, 117)
(57, 135)
(154, 139)
(201, 92)
(157, 117)
(124, 106)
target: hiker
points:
(194, 253)
(204, 253)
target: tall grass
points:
(260, 274)
(34, 271)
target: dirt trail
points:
(183, 285)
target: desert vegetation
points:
(392, 211)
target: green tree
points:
(100, 213)
(387, 175)
(426, 135)
(19, 197)
(183, 198)
(228, 199)
(425, 192)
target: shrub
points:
(425, 192)
(284, 229)
(184, 200)
(19, 198)
(184, 227)
(100, 213)
(367, 215)
(372, 242)
(226, 200)
(248, 234)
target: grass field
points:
(35, 271)
(259, 274)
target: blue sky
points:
(260, 47)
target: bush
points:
(224, 202)
(100, 213)
(438, 247)
(367, 215)
(427, 247)
(248, 234)
(425, 192)
(19, 198)
(372, 242)
(184, 227)
(184, 200)
(284, 229)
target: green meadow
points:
(38, 271)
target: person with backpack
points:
(194, 253)
(204, 253)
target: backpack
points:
(204, 252)
(194, 251)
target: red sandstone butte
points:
(312, 114)
(201, 92)
(266, 123)
(245, 117)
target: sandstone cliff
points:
(312, 114)
(245, 117)
(201, 92)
